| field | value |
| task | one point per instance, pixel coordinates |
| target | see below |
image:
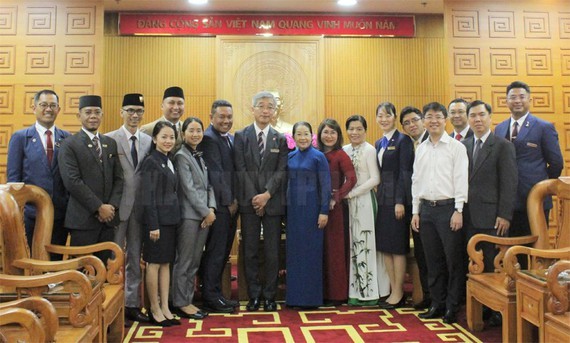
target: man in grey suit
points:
(132, 146)
(261, 163)
(493, 180)
(172, 110)
(91, 172)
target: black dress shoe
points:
(173, 321)
(229, 302)
(270, 306)
(423, 304)
(433, 312)
(135, 314)
(253, 304)
(495, 319)
(450, 317)
(217, 306)
(163, 323)
(388, 306)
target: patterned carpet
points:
(326, 324)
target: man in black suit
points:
(92, 173)
(217, 146)
(493, 179)
(458, 115)
(411, 120)
(261, 164)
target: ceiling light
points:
(346, 2)
(198, 2)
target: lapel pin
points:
(90, 145)
(104, 145)
(163, 166)
(57, 144)
(33, 140)
(110, 155)
(527, 124)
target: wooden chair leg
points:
(510, 323)
(474, 312)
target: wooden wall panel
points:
(47, 44)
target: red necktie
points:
(49, 147)
(458, 136)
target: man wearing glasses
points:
(261, 162)
(439, 191)
(537, 150)
(132, 146)
(32, 159)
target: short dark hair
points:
(159, 126)
(388, 107)
(458, 101)
(356, 117)
(407, 110)
(44, 91)
(477, 103)
(219, 103)
(191, 120)
(518, 84)
(333, 124)
(302, 123)
(435, 106)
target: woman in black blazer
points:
(395, 156)
(160, 214)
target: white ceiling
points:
(321, 6)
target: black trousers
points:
(420, 256)
(250, 232)
(218, 246)
(104, 233)
(520, 226)
(444, 256)
(58, 234)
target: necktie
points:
(416, 143)
(260, 144)
(49, 147)
(228, 142)
(476, 150)
(515, 131)
(134, 153)
(97, 148)
(458, 136)
(384, 143)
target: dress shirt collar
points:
(128, 133)
(463, 132)
(90, 134)
(483, 138)
(521, 121)
(389, 134)
(257, 130)
(445, 138)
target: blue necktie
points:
(384, 143)
(134, 153)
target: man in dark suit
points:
(132, 146)
(458, 115)
(217, 146)
(92, 173)
(261, 164)
(32, 159)
(492, 184)
(537, 150)
(411, 120)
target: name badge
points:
(532, 145)
(391, 148)
(274, 150)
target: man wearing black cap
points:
(132, 147)
(172, 110)
(91, 172)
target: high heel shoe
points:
(174, 321)
(163, 323)
(388, 306)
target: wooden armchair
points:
(497, 290)
(531, 287)
(20, 323)
(18, 261)
(557, 320)
(74, 300)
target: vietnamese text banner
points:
(267, 25)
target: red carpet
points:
(340, 324)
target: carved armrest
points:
(89, 265)
(115, 265)
(27, 320)
(37, 285)
(13, 311)
(558, 301)
(537, 257)
(476, 265)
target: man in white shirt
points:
(439, 191)
(458, 116)
(132, 146)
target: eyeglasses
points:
(411, 121)
(263, 108)
(44, 105)
(132, 111)
(437, 117)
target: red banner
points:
(267, 25)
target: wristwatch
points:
(460, 210)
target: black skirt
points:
(392, 235)
(164, 249)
